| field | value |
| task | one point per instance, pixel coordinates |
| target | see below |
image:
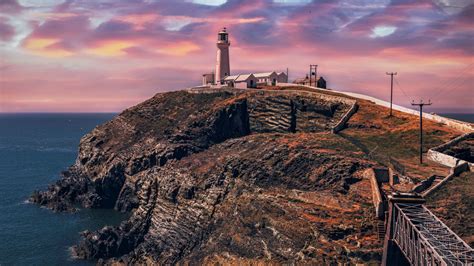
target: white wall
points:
(241, 85)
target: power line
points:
(402, 90)
(452, 87)
(443, 85)
(406, 96)
(448, 81)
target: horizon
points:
(118, 112)
(105, 56)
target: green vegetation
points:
(454, 204)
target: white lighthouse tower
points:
(222, 63)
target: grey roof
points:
(243, 77)
(264, 74)
(231, 78)
(239, 78)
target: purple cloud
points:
(10, 7)
(6, 30)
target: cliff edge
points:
(227, 176)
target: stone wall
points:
(328, 98)
(376, 193)
(308, 106)
(342, 123)
(436, 154)
(317, 94)
(424, 185)
(455, 171)
(452, 123)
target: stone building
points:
(282, 77)
(208, 79)
(320, 82)
(302, 81)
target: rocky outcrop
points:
(280, 113)
(221, 176)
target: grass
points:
(394, 141)
(391, 141)
(454, 204)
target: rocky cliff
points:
(224, 176)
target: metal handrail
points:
(449, 249)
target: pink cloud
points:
(76, 55)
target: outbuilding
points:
(241, 81)
(321, 83)
(282, 77)
(267, 78)
(208, 79)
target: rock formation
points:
(222, 176)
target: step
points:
(381, 230)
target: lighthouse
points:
(222, 62)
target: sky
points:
(108, 55)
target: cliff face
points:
(223, 176)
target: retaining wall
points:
(330, 98)
(317, 94)
(376, 193)
(342, 123)
(436, 154)
(455, 171)
(393, 177)
(425, 184)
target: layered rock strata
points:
(221, 177)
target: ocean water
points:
(34, 149)
(461, 117)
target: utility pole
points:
(391, 89)
(421, 104)
(313, 71)
(287, 75)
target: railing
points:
(425, 240)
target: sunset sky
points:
(107, 55)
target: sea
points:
(461, 117)
(34, 149)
